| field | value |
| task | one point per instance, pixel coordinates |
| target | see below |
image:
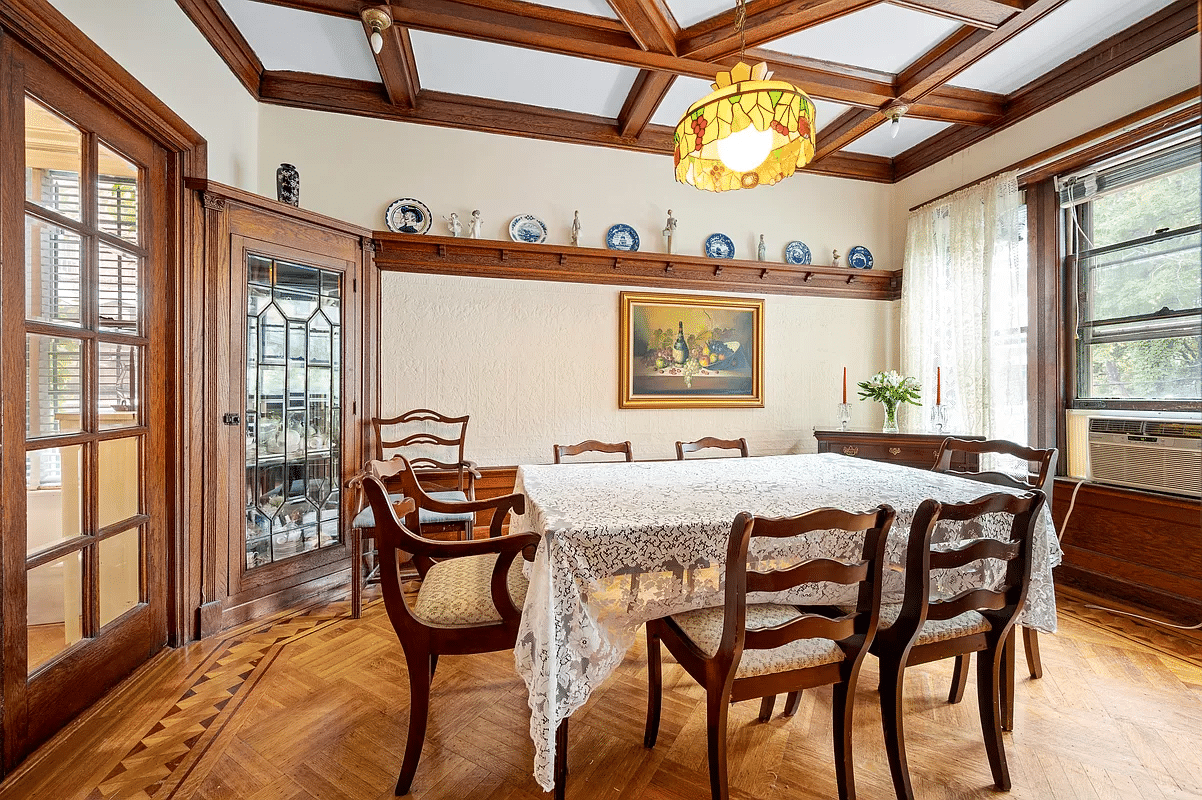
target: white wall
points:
(536, 363)
(1170, 71)
(161, 47)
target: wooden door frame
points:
(41, 29)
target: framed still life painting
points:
(690, 351)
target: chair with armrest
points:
(469, 601)
(1040, 474)
(592, 446)
(741, 651)
(709, 441)
(920, 630)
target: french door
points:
(83, 340)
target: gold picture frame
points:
(724, 337)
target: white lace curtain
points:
(964, 310)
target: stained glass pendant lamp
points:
(750, 131)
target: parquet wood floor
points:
(312, 705)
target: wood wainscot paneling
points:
(1138, 547)
(481, 258)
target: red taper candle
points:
(845, 384)
(938, 386)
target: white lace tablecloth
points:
(627, 542)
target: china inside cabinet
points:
(287, 306)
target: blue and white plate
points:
(528, 228)
(719, 245)
(408, 216)
(622, 237)
(797, 253)
(859, 258)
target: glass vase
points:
(890, 417)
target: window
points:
(1134, 228)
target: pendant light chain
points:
(741, 24)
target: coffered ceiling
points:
(620, 73)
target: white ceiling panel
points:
(882, 37)
(878, 142)
(690, 12)
(284, 38)
(1068, 31)
(826, 112)
(598, 8)
(517, 75)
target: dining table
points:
(623, 543)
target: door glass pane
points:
(53, 388)
(117, 480)
(55, 610)
(118, 290)
(53, 496)
(120, 574)
(53, 154)
(119, 368)
(292, 374)
(117, 195)
(52, 272)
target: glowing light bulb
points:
(745, 150)
(377, 41)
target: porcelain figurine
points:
(761, 252)
(576, 229)
(835, 258)
(454, 225)
(474, 224)
(669, 231)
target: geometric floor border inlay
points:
(165, 757)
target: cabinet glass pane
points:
(53, 154)
(53, 496)
(117, 195)
(53, 385)
(120, 574)
(117, 480)
(55, 611)
(292, 376)
(52, 272)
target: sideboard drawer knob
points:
(850, 450)
(895, 451)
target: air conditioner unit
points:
(1158, 454)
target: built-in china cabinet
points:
(287, 322)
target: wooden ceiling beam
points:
(650, 22)
(216, 26)
(648, 92)
(397, 65)
(988, 14)
(964, 48)
(716, 37)
(851, 125)
(1171, 25)
(335, 8)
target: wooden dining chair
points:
(709, 441)
(740, 651)
(434, 445)
(592, 446)
(981, 620)
(1040, 474)
(470, 597)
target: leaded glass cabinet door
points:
(293, 409)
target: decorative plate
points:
(622, 237)
(859, 258)
(528, 228)
(797, 253)
(719, 245)
(408, 216)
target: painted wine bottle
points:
(680, 348)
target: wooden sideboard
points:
(911, 449)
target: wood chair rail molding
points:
(443, 255)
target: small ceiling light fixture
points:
(378, 19)
(894, 112)
(749, 131)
